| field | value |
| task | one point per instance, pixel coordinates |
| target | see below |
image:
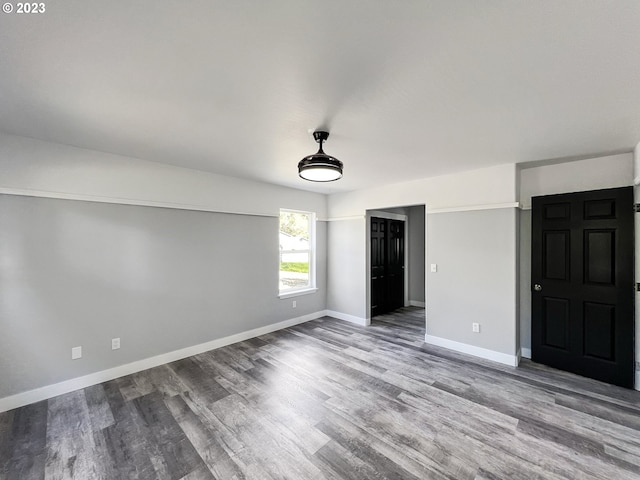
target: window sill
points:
(297, 293)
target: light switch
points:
(434, 267)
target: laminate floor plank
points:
(174, 455)
(290, 393)
(328, 399)
(205, 441)
(390, 459)
(482, 429)
(70, 444)
(197, 381)
(99, 411)
(269, 446)
(233, 356)
(223, 435)
(202, 473)
(6, 443)
(574, 422)
(138, 385)
(28, 443)
(343, 464)
(163, 379)
(215, 369)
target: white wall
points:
(487, 186)
(579, 176)
(474, 193)
(593, 174)
(36, 168)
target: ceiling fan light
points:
(320, 167)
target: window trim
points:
(311, 287)
(298, 293)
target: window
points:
(297, 252)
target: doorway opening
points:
(396, 253)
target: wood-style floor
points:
(328, 399)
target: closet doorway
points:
(387, 247)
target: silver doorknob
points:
(537, 287)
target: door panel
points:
(599, 209)
(556, 322)
(395, 278)
(557, 211)
(599, 330)
(387, 265)
(378, 260)
(599, 256)
(556, 254)
(582, 263)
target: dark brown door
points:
(582, 280)
(378, 262)
(387, 265)
(395, 264)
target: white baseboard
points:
(492, 355)
(349, 318)
(526, 353)
(415, 303)
(49, 391)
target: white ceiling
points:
(408, 89)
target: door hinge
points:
(636, 207)
(637, 287)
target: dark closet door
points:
(582, 280)
(378, 261)
(387, 265)
(395, 265)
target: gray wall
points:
(476, 280)
(346, 267)
(525, 279)
(79, 273)
(416, 253)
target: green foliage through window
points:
(296, 251)
(298, 267)
(295, 224)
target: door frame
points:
(388, 216)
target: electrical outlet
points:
(76, 353)
(434, 267)
(294, 304)
(115, 343)
(475, 327)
